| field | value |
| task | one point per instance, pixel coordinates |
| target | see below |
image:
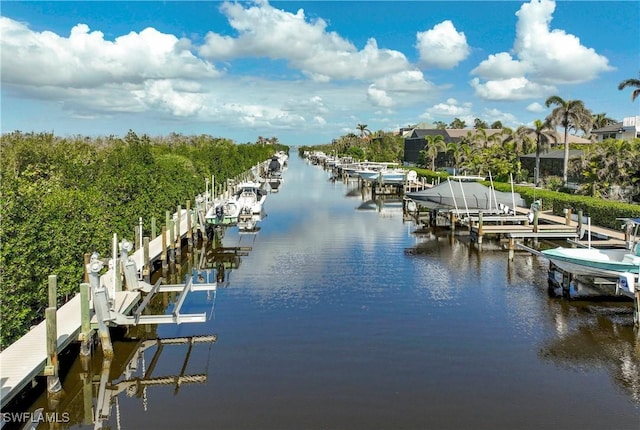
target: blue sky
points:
(307, 72)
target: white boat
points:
(385, 176)
(250, 197)
(601, 262)
(223, 212)
(608, 262)
(248, 201)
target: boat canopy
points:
(477, 196)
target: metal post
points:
(579, 221)
(189, 226)
(140, 233)
(101, 305)
(178, 232)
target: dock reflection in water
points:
(95, 386)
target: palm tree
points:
(600, 120)
(568, 114)
(544, 134)
(434, 144)
(632, 82)
(364, 131)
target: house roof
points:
(611, 128)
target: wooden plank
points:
(24, 359)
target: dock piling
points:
(51, 318)
(146, 271)
(163, 256)
(85, 321)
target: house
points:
(551, 162)
(414, 141)
(628, 129)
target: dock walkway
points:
(26, 358)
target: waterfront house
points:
(627, 129)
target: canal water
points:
(337, 315)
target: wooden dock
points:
(25, 359)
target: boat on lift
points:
(247, 201)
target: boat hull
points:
(594, 262)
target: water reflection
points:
(95, 386)
(606, 341)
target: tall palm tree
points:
(434, 144)
(632, 82)
(544, 135)
(568, 114)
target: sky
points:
(307, 72)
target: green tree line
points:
(62, 197)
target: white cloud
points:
(451, 108)
(509, 89)
(85, 59)
(493, 115)
(535, 108)
(442, 46)
(500, 66)
(379, 97)
(542, 58)
(86, 73)
(554, 56)
(264, 31)
(180, 98)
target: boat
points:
(273, 174)
(385, 175)
(247, 201)
(250, 197)
(223, 212)
(606, 262)
(621, 263)
(467, 195)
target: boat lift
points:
(114, 305)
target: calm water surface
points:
(328, 323)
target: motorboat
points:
(621, 263)
(247, 201)
(385, 176)
(605, 262)
(250, 197)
